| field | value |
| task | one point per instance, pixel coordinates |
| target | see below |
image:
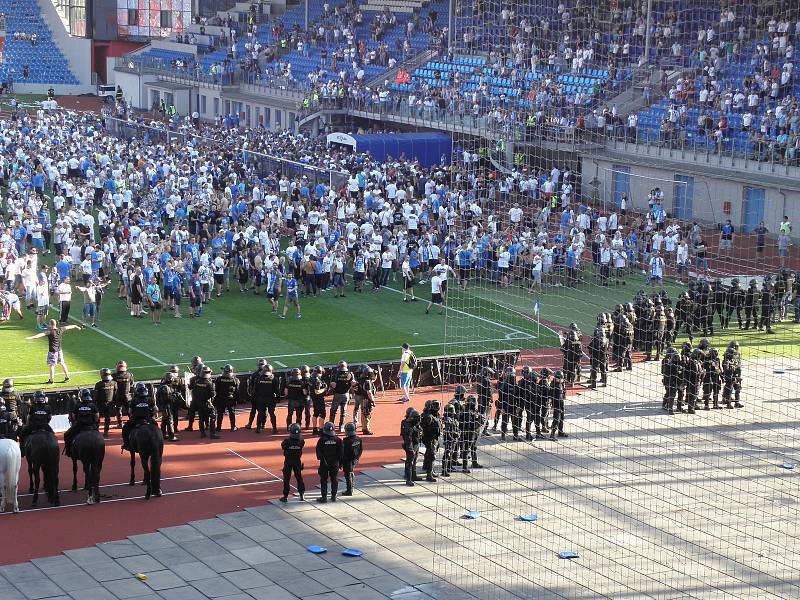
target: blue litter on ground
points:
(779, 370)
(473, 514)
(316, 549)
(528, 518)
(351, 552)
(789, 466)
(568, 554)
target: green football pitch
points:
(370, 326)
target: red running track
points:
(200, 479)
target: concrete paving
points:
(656, 506)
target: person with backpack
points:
(408, 362)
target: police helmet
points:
(169, 377)
(39, 397)
(294, 430)
(174, 369)
(295, 372)
(573, 326)
(487, 372)
(670, 351)
(471, 403)
(767, 278)
(717, 282)
(510, 371)
(734, 282)
(266, 367)
(196, 360)
(698, 354)
(343, 365)
(350, 429)
(408, 411)
(753, 283)
(629, 307)
(227, 369)
(329, 429)
(658, 302)
(8, 386)
(733, 344)
(262, 362)
(685, 296)
(687, 345)
(414, 415)
(206, 371)
(546, 372)
(712, 353)
(449, 410)
(122, 366)
(105, 374)
(435, 406)
(427, 405)
(318, 370)
(618, 308)
(526, 371)
(559, 375)
(460, 391)
(85, 395)
(140, 390)
(704, 343)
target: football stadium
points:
(410, 300)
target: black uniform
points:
(571, 347)
(431, 430)
(15, 406)
(104, 395)
(142, 410)
(702, 309)
(669, 329)
(751, 306)
(296, 395)
(203, 395)
(227, 386)
(558, 396)
(693, 374)
(527, 389)
(122, 397)
(329, 454)
(411, 432)
(732, 376)
(293, 463)
(84, 416)
(711, 379)
(485, 392)
(352, 447)
(8, 425)
(470, 423)
(672, 378)
(767, 298)
(168, 401)
(264, 395)
(734, 302)
(598, 357)
(684, 311)
(450, 438)
(317, 389)
(513, 409)
(719, 297)
(38, 420)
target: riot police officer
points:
(343, 381)
(195, 370)
(470, 423)
(734, 302)
(527, 389)
(543, 398)
(571, 347)
(85, 416)
(317, 388)
(168, 400)
(751, 305)
(598, 357)
(8, 422)
(13, 403)
(450, 438)
(352, 448)
(296, 392)
(732, 375)
(122, 398)
(105, 392)
(767, 298)
(505, 389)
(431, 426)
(250, 382)
(38, 418)
(672, 375)
(292, 448)
(719, 296)
(411, 433)
(711, 379)
(203, 395)
(694, 373)
(558, 396)
(227, 388)
(485, 392)
(365, 399)
(684, 311)
(329, 454)
(264, 394)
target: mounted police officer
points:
(85, 416)
(142, 410)
(38, 418)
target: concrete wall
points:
(133, 86)
(710, 193)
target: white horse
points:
(10, 461)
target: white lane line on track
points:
(108, 485)
(205, 489)
(267, 471)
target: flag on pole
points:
(537, 307)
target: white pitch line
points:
(267, 471)
(296, 355)
(205, 489)
(119, 341)
(162, 479)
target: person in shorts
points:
(55, 353)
